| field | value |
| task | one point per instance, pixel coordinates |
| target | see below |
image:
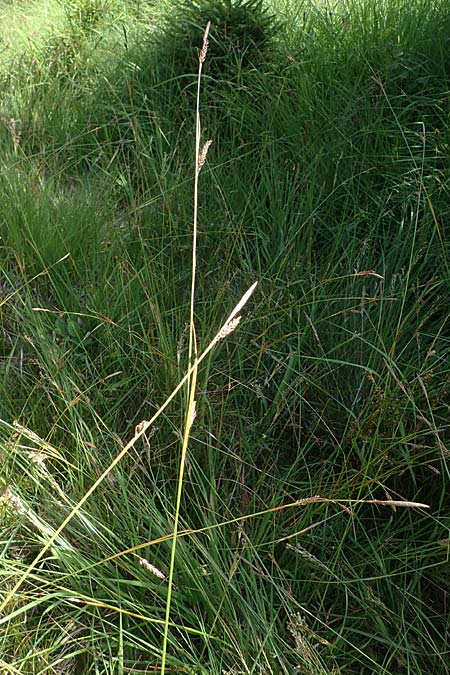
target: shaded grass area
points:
(328, 182)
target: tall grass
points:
(327, 181)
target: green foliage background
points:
(328, 182)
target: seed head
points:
(151, 568)
(205, 46)
(202, 156)
(229, 328)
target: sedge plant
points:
(330, 185)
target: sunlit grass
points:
(23, 24)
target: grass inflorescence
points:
(287, 508)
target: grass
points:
(327, 182)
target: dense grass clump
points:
(321, 422)
(244, 32)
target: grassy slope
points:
(328, 181)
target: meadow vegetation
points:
(328, 183)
